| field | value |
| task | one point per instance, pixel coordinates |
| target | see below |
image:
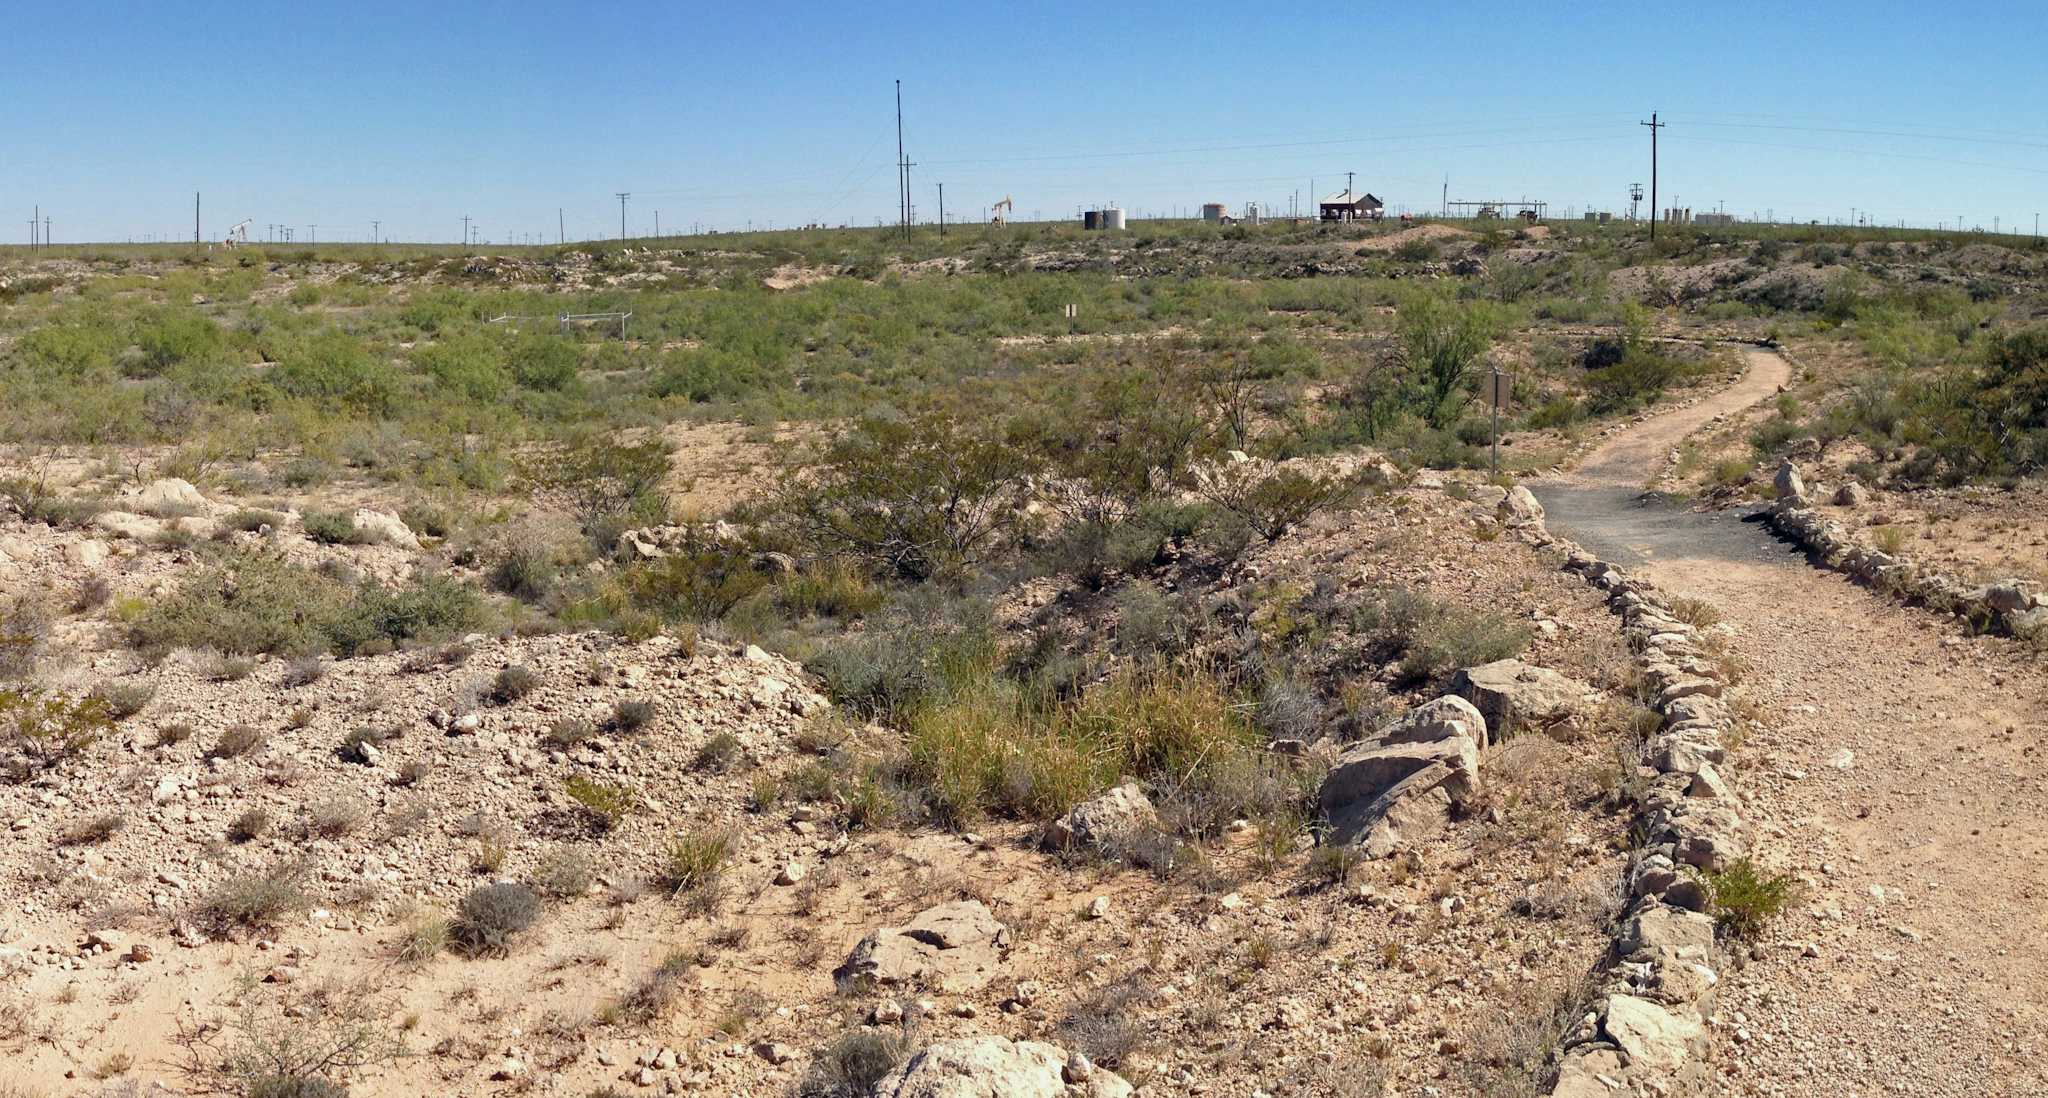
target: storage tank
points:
(1212, 211)
(1091, 219)
(1112, 218)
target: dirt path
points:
(1897, 771)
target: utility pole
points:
(902, 168)
(623, 196)
(316, 236)
(465, 234)
(1654, 127)
(657, 224)
(561, 233)
(35, 241)
(376, 232)
(46, 230)
(195, 217)
(942, 211)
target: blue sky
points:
(722, 115)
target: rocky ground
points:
(381, 790)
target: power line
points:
(1654, 214)
(623, 196)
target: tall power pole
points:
(195, 217)
(657, 224)
(942, 211)
(1654, 127)
(902, 168)
(465, 234)
(561, 233)
(376, 232)
(623, 196)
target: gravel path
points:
(1898, 774)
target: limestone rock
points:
(954, 947)
(1111, 823)
(88, 553)
(1400, 787)
(385, 527)
(127, 524)
(1510, 693)
(1652, 1036)
(1852, 495)
(1519, 508)
(996, 1067)
(1788, 483)
(169, 496)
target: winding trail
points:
(1898, 770)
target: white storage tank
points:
(1212, 211)
(1113, 218)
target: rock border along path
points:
(1647, 1030)
(2007, 606)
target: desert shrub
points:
(526, 566)
(92, 830)
(1431, 638)
(177, 337)
(253, 899)
(700, 580)
(292, 1086)
(612, 486)
(334, 528)
(719, 754)
(1442, 340)
(833, 589)
(236, 741)
(568, 732)
(249, 825)
(1746, 899)
(333, 368)
(228, 668)
(333, 817)
(852, 1065)
(124, 699)
(1332, 865)
(565, 874)
(249, 520)
(1105, 1025)
(1695, 612)
(989, 751)
(920, 651)
(39, 731)
(911, 496)
(24, 635)
(513, 683)
(91, 593)
(606, 805)
(653, 995)
(489, 916)
(632, 715)
(544, 363)
(694, 862)
(1272, 499)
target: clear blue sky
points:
(721, 114)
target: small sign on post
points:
(1499, 387)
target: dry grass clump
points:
(489, 917)
(253, 899)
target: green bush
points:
(1746, 899)
(41, 731)
(490, 916)
(699, 580)
(332, 367)
(334, 528)
(606, 805)
(260, 604)
(177, 338)
(545, 363)
(910, 496)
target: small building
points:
(1346, 206)
(1212, 211)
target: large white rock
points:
(1787, 482)
(997, 1067)
(1112, 823)
(169, 496)
(1393, 790)
(385, 527)
(954, 947)
(1520, 508)
(1652, 1037)
(1509, 693)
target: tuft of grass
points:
(853, 1064)
(695, 862)
(514, 683)
(92, 830)
(254, 899)
(249, 826)
(237, 741)
(719, 754)
(607, 805)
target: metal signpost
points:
(1498, 387)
